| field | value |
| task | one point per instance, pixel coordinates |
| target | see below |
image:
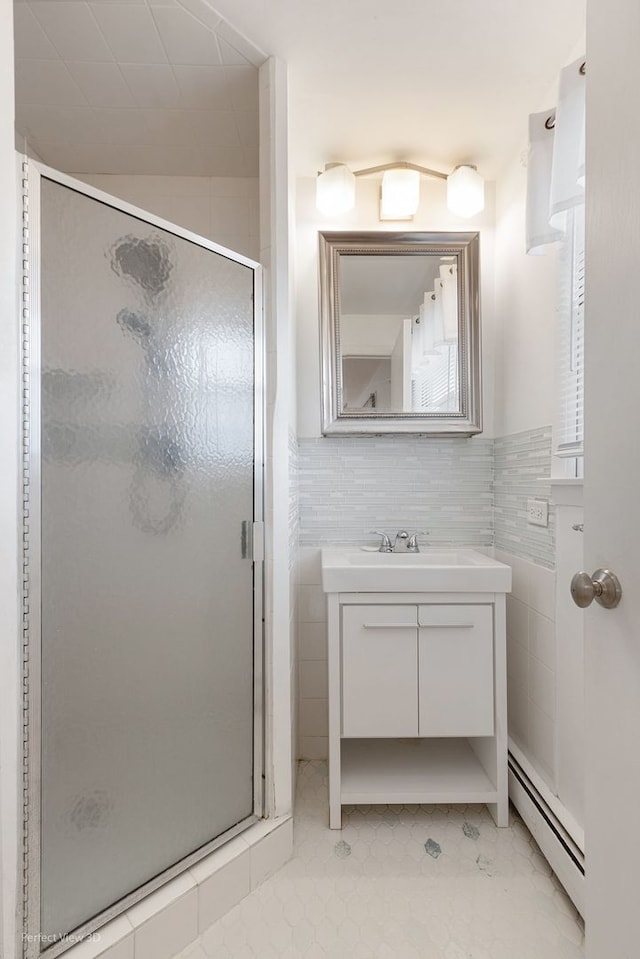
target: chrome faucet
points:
(385, 542)
(404, 542)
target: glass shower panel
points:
(147, 476)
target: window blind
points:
(570, 427)
(434, 386)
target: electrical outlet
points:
(537, 512)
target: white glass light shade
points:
(336, 190)
(400, 194)
(465, 191)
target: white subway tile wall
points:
(312, 657)
(521, 461)
(531, 664)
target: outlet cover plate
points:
(538, 512)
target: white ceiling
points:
(136, 86)
(170, 86)
(386, 285)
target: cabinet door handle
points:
(389, 626)
(446, 625)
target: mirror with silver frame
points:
(400, 322)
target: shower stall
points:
(143, 560)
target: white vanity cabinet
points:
(455, 670)
(417, 670)
(379, 671)
(417, 699)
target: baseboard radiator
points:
(559, 848)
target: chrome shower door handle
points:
(604, 586)
(246, 536)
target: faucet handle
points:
(412, 544)
(385, 542)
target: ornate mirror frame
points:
(465, 247)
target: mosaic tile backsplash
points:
(349, 486)
(294, 510)
(460, 492)
(522, 469)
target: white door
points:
(612, 477)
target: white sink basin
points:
(350, 569)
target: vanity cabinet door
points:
(379, 671)
(456, 670)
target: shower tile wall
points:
(223, 209)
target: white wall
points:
(432, 215)
(544, 656)
(525, 309)
(525, 289)
(274, 255)
(10, 682)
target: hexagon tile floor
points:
(400, 882)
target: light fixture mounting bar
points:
(400, 166)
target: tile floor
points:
(400, 882)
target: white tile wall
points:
(270, 851)
(294, 533)
(113, 941)
(312, 657)
(163, 924)
(222, 209)
(168, 931)
(223, 880)
(124, 950)
(531, 664)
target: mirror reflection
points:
(399, 333)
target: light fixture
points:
(336, 190)
(465, 191)
(400, 193)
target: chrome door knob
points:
(604, 586)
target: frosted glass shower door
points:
(148, 488)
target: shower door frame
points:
(32, 173)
